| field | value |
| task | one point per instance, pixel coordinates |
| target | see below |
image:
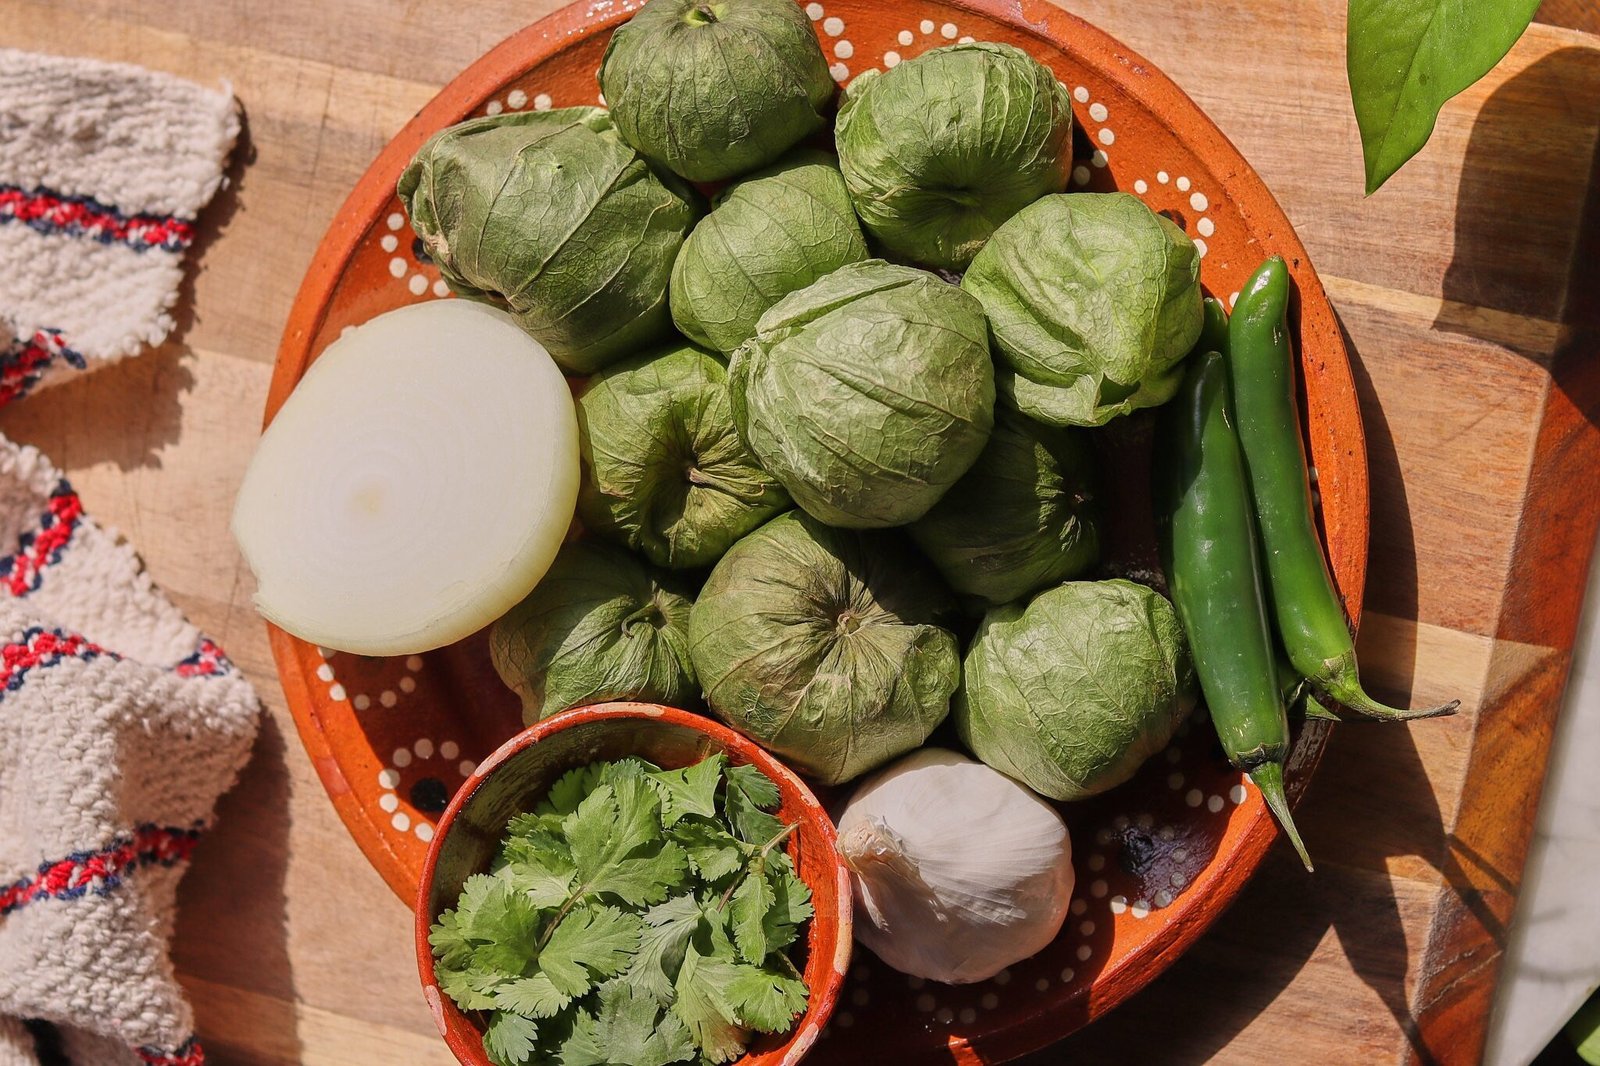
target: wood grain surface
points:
(1466, 287)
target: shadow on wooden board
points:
(237, 939)
(1540, 113)
(1540, 264)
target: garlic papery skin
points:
(959, 871)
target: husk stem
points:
(746, 493)
(1268, 777)
(649, 613)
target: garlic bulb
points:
(959, 871)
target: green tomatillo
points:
(549, 215)
(941, 149)
(714, 88)
(664, 471)
(867, 394)
(767, 235)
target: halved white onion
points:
(416, 484)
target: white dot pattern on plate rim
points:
(422, 749)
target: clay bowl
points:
(515, 778)
(1158, 858)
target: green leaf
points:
(719, 994)
(713, 852)
(471, 989)
(747, 912)
(533, 997)
(764, 998)
(1584, 1031)
(702, 1006)
(756, 786)
(691, 790)
(502, 923)
(509, 1039)
(630, 766)
(1405, 58)
(791, 904)
(628, 1029)
(590, 943)
(619, 846)
(665, 938)
(449, 942)
(749, 791)
(530, 824)
(544, 890)
(541, 846)
(571, 789)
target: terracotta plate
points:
(1158, 858)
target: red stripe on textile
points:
(38, 548)
(189, 1053)
(82, 216)
(98, 872)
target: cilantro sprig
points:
(637, 916)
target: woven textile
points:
(120, 723)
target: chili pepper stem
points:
(1337, 680)
(1311, 707)
(1268, 777)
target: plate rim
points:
(1159, 95)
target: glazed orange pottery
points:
(519, 773)
(1158, 858)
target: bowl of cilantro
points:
(632, 883)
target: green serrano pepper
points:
(1208, 547)
(1310, 618)
(1213, 327)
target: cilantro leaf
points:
(691, 790)
(629, 1030)
(449, 942)
(715, 935)
(748, 997)
(509, 1039)
(764, 998)
(532, 997)
(668, 927)
(619, 847)
(528, 824)
(544, 890)
(645, 878)
(757, 787)
(713, 852)
(471, 989)
(702, 1006)
(559, 914)
(610, 822)
(747, 912)
(631, 766)
(570, 789)
(590, 943)
(501, 923)
(790, 907)
(750, 790)
(542, 850)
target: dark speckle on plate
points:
(429, 795)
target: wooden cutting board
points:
(1468, 287)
